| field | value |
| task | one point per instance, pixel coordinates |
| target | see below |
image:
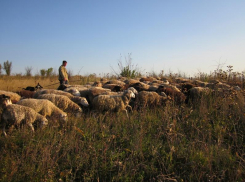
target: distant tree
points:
(49, 72)
(28, 71)
(42, 72)
(7, 66)
(0, 69)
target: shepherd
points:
(63, 75)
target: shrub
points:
(28, 71)
(128, 70)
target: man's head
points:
(64, 63)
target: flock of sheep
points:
(35, 105)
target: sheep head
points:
(129, 94)
(5, 100)
(44, 122)
(83, 101)
(133, 90)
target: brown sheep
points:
(131, 82)
(26, 93)
(97, 84)
(150, 79)
(92, 92)
(116, 82)
(185, 87)
(149, 99)
(195, 94)
(175, 95)
(113, 87)
(140, 86)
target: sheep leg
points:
(130, 108)
(126, 112)
(31, 126)
(9, 129)
(4, 132)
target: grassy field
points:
(195, 142)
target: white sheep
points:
(82, 101)
(74, 91)
(78, 87)
(120, 93)
(52, 91)
(63, 102)
(132, 100)
(114, 103)
(45, 108)
(77, 99)
(14, 97)
(16, 115)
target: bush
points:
(128, 70)
(28, 71)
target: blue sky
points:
(179, 36)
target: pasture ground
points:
(172, 143)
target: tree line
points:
(7, 67)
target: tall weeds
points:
(202, 141)
(174, 143)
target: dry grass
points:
(15, 83)
(173, 143)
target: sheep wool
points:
(45, 108)
(76, 99)
(15, 115)
(149, 99)
(92, 92)
(195, 93)
(14, 97)
(52, 91)
(80, 101)
(63, 102)
(74, 91)
(113, 103)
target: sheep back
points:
(62, 102)
(43, 107)
(149, 99)
(52, 91)
(17, 114)
(112, 102)
(14, 97)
